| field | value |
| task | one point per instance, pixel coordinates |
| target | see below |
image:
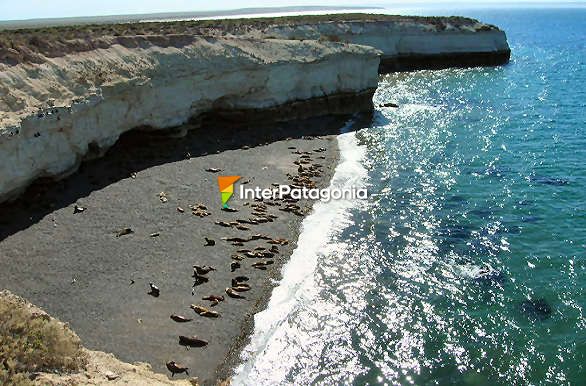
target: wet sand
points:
(77, 269)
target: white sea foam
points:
(298, 287)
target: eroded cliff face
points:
(56, 113)
(409, 45)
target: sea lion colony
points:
(263, 253)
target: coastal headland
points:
(112, 137)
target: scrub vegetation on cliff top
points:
(33, 45)
(31, 341)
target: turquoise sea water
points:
(467, 265)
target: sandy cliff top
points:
(37, 45)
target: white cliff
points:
(445, 42)
(394, 38)
(71, 95)
(52, 114)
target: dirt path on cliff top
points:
(75, 267)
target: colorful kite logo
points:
(226, 184)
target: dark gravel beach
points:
(75, 267)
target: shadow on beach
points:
(138, 150)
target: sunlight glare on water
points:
(466, 264)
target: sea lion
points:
(240, 279)
(235, 239)
(228, 209)
(234, 266)
(262, 220)
(78, 209)
(274, 249)
(200, 212)
(223, 224)
(241, 288)
(180, 209)
(234, 294)
(214, 299)
(155, 234)
(199, 280)
(260, 236)
(213, 170)
(202, 270)
(263, 264)
(239, 244)
(176, 368)
(278, 241)
(236, 283)
(209, 242)
(192, 341)
(155, 292)
(124, 232)
(180, 319)
(198, 205)
(242, 228)
(202, 311)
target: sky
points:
(33, 9)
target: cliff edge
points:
(68, 93)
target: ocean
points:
(467, 263)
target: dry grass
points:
(31, 341)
